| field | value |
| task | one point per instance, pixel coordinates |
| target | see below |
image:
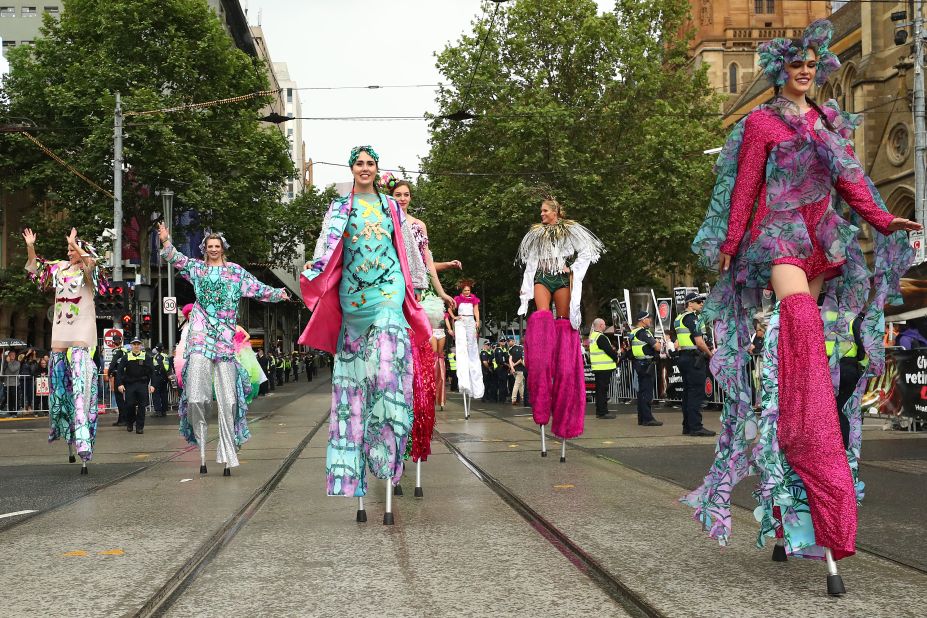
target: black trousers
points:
(489, 383)
(646, 373)
(850, 372)
(694, 370)
(603, 380)
(502, 384)
(120, 406)
(136, 403)
(159, 396)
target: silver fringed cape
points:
(547, 248)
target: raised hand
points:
(29, 236)
(72, 237)
(907, 225)
(456, 264)
(163, 234)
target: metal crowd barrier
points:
(668, 386)
(27, 395)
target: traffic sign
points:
(110, 336)
(169, 304)
(917, 243)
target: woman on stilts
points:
(553, 348)
(431, 295)
(72, 370)
(790, 165)
(364, 312)
(209, 347)
(466, 336)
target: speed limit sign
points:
(169, 304)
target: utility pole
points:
(117, 191)
(167, 200)
(920, 131)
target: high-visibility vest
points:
(683, 334)
(452, 361)
(637, 346)
(847, 349)
(136, 357)
(599, 360)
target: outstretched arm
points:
(30, 237)
(751, 174)
(171, 255)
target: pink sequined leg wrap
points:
(569, 398)
(539, 349)
(808, 429)
(423, 399)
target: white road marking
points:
(5, 515)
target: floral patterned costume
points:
(209, 352)
(362, 251)
(72, 373)
(802, 177)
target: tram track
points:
(685, 488)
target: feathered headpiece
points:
(776, 54)
(355, 152)
(87, 250)
(220, 235)
(388, 182)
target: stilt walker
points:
(792, 162)
(72, 371)
(359, 288)
(428, 358)
(209, 350)
(553, 349)
(466, 334)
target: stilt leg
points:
(543, 442)
(835, 585)
(83, 470)
(227, 471)
(388, 515)
(466, 407)
(418, 480)
(71, 457)
(779, 554)
(397, 490)
(563, 451)
(361, 513)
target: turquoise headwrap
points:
(355, 152)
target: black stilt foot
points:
(83, 470)
(227, 472)
(419, 493)
(71, 458)
(779, 554)
(397, 490)
(835, 585)
(543, 453)
(361, 516)
(388, 519)
(203, 469)
(563, 460)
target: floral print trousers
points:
(73, 399)
(371, 413)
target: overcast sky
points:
(358, 43)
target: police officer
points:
(133, 375)
(693, 364)
(489, 376)
(643, 349)
(162, 370)
(452, 368)
(118, 353)
(853, 361)
(603, 360)
(517, 371)
(500, 358)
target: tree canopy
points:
(158, 54)
(604, 110)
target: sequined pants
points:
(73, 399)
(201, 375)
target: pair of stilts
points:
(388, 518)
(73, 458)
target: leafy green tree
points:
(158, 54)
(605, 110)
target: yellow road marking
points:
(141, 456)
(566, 486)
(76, 554)
(513, 446)
(112, 552)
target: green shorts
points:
(553, 282)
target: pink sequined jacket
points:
(764, 130)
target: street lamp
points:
(167, 200)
